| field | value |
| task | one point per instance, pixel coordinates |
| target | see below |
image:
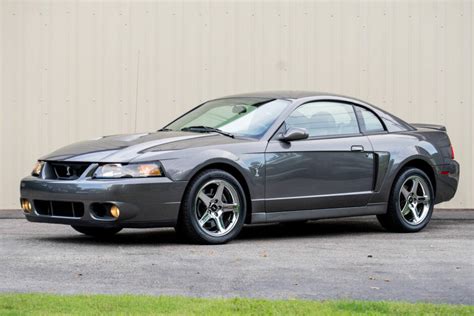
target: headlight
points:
(37, 168)
(133, 170)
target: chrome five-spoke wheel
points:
(414, 200)
(217, 207)
(411, 201)
(214, 208)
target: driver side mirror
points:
(294, 134)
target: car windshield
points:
(247, 117)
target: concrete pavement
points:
(327, 259)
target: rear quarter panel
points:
(433, 147)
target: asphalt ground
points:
(351, 258)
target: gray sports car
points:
(250, 158)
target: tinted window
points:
(324, 119)
(370, 122)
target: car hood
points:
(124, 148)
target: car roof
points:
(394, 124)
(288, 94)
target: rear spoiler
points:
(429, 126)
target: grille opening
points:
(68, 170)
(59, 208)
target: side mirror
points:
(294, 134)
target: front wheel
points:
(97, 231)
(213, 209)
(411, 202)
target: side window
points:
(370, 123)
(324, 118)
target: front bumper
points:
(144, 202)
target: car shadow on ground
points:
(321, 228)
(164, 236)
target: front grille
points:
(68, 170)
(59, 208)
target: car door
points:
(332, 168)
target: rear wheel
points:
(97, 231)
(214, 207)
(411, 202)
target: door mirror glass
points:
(294, 134)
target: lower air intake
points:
(59, 208)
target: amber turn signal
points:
(114, 211)
(26, 206)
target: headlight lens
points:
(134, 170)
(37, 168)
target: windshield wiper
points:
(206, 129)
(164, 129)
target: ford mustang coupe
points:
(245, 159)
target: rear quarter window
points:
(370, 123)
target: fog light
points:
(114, 211)
(26, 206)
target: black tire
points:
(393, 220)
(188, 226)
(100, 232)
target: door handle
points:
(358, 148)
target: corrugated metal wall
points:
(73, 70)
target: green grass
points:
(42, 304)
